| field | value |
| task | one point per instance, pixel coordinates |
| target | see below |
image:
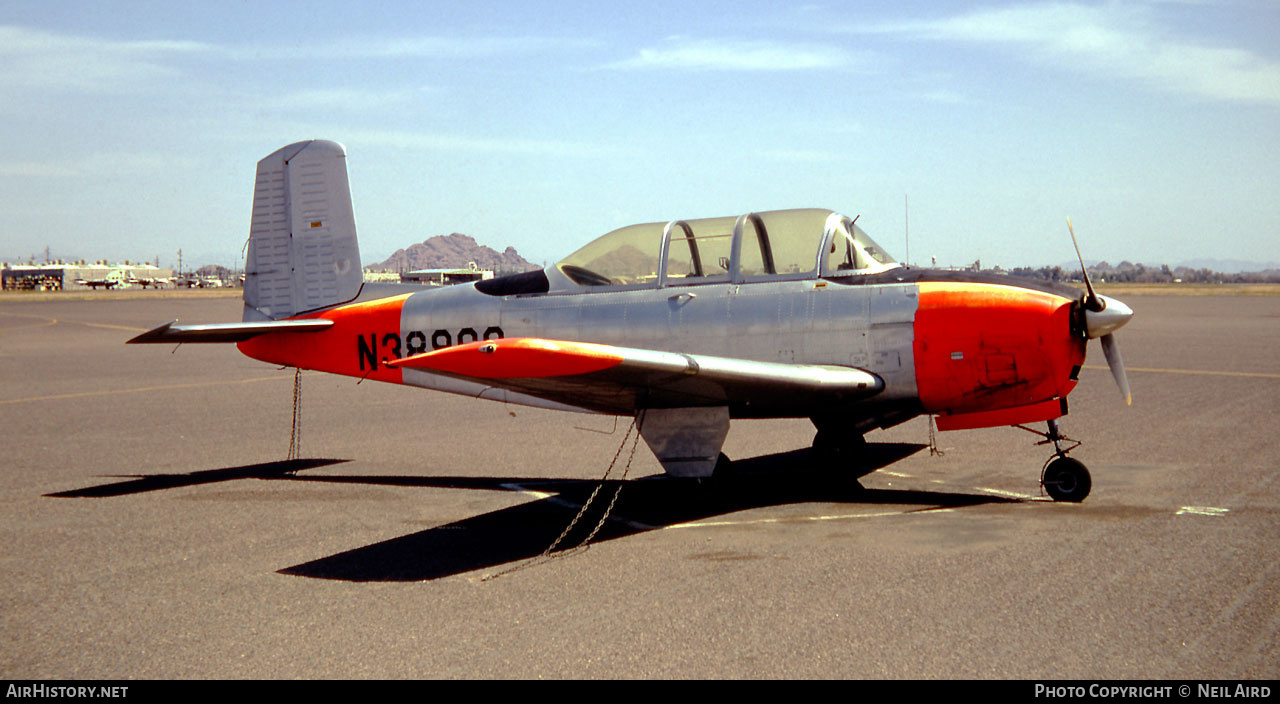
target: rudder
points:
(303, 252)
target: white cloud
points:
(1111, 39)
(35, 59)
(944, 96)
(101, 165)
(462, 143)
(736, 55)
(462, 47)
(800, 156)
(344, 99)
(414, 47)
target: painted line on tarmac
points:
(54, 321)
(792, 519)
(1197, 372)
(1202, 511)
(555, 499)
(104, 325)
(520, 489)
(117, 392)
(47, 321)
(1002, 492)
(542, 495)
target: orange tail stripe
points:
(337, 349)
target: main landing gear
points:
(840, 454)
(838, 447)
(1063, 478)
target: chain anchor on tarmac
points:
(295, 435)
(549, 554)
(934, 450)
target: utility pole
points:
(179, 262)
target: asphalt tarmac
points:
(153, 530)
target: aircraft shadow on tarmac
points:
(521, 532)
(141, 483)
(525, 531)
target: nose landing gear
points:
(1066, 479)
(1063, 478)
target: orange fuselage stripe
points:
(516, 358)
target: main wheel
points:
(724, 467)
(1067, 480)
(838, 450)
(721, 478)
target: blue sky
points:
(130, 130)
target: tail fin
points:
(303, 252)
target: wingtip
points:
(151, 335)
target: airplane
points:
(95, 283)
(683, 325)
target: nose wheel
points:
(1063, 478)
(1066, 479)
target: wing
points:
(225, 332)
(622, 379)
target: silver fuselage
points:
(809, 321)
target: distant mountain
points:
(453, 251)
(1227, 266)
(1223, 266)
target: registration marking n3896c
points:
(414, 342)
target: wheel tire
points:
(721, 479)
(1067, 480)
(836, 450)
(724, 467)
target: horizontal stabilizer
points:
(621, 379)
(225, 332)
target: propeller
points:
(1103, 315)
(1112, 352)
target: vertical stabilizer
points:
(303, 253)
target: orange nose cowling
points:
(984, 347)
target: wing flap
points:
(225, 332)
(622, 379)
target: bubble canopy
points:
(766, 246)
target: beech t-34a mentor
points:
(683, 324)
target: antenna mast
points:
(906, 217)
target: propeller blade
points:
(1112, 351)
(1091, 302)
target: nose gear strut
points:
(1064, 479)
